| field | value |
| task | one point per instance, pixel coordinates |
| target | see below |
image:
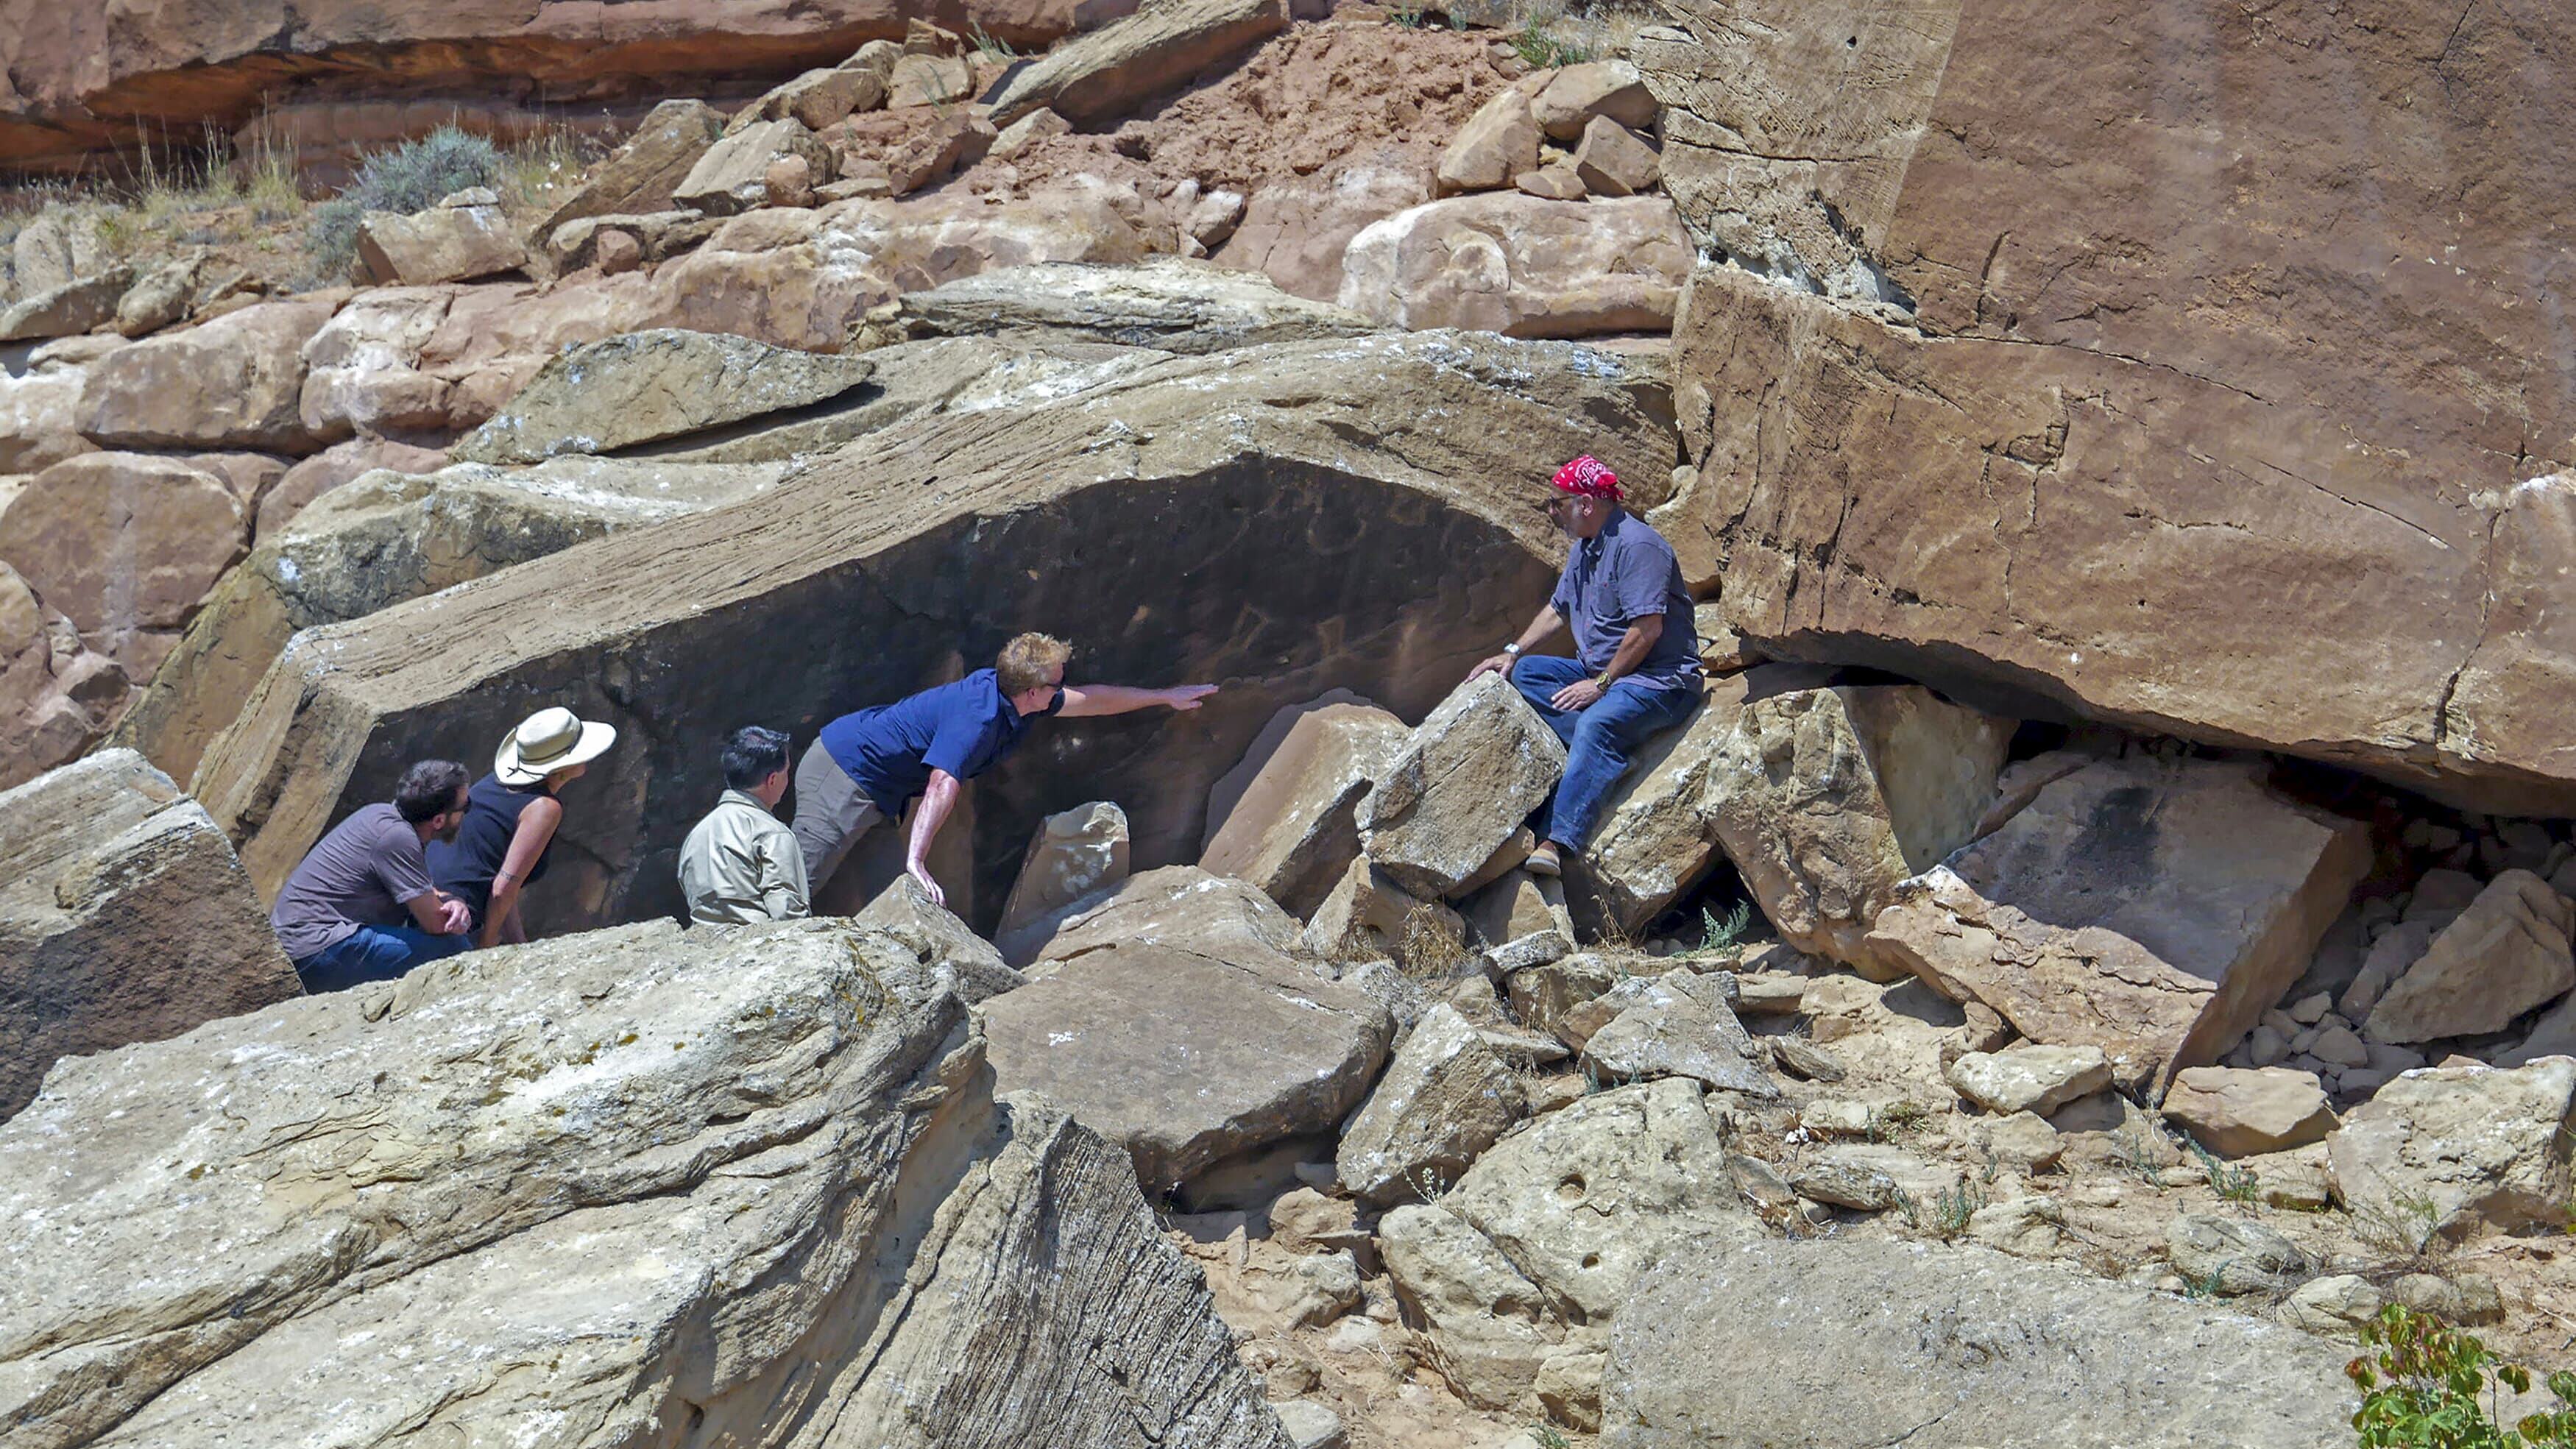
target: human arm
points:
(1632, 650)
(536, 830)
(779, 867)
(937, 799)
(438, 914)
(1100, 699)
(1547, 623)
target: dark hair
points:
(429, 789)
(753, 755)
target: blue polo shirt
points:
(1613, 579)
(889, 751)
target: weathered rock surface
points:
(1445, 1098)
(1161, 47)
(1173, 1028)
(2446, 1151)
(1023, 484)
(1490, 1328)
(1612, 89)
(732, 176)
(124, 542)
(68, 310)
(1825, 798)
(2507, 953)
(1366, 916)
(2232, 1255)
(385, 538)
(1473, 770)
(1297, 229)
(1615, 161)
(235, 382)
(1679, 1024)
(2150, 907)
(1499, 142)
(2030, 1078)
(1166, 303)
(640, 175)
(340, 463)
(1522, 266)
(124, 917)
(2067, 417)
(1074, 853)
(1757, 1343)
(1657, 836)
(465, 237)
(731, 1141)
(1292, 829)
(938, 940)
(2239, 1112)
(652, 387)
(40, 419)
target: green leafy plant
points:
(1542, 51)
(1548, 1437)
(403, 179)
(2131, 1145)
(1899, 1118)
(2427, 1385)
(1409, 19)
(2235, 1184)
(1721, 935)
(997, 49)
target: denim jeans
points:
(374, 953)
(1598, 739)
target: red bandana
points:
(1586, 478)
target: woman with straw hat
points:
(510, 819)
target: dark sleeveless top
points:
(464, 867)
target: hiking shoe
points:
(1544, 861)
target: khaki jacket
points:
(741, 864)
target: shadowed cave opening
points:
(1275, 579)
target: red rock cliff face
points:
(81, 77)
(2197, 366)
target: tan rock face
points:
(2505, 954)
(1163, 302)
(1519, 265)
(640, 175)
(1292, 829)
(124, 541)
(1498, 143)
(235, 382)
(1477, 766)
(1611, 89)
(1074, 853)
(2029, 1078)
(2152, 908)
(1298, 229)
(68, 310)
(1826, 798)
(2238, 1113)
(124, 917)
(1366, 916)
(1159, 48)
(442, 244)
(1615, 161)
(2075, 516)
(819, 97)
(1445, 1098)
(2449, 1151)
(732, 176)
(1679, 1024)
(647, 387)
(572, 1136)
(40, 420)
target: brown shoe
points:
(1544, 861)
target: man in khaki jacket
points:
(741, 863)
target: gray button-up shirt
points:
(741, 864)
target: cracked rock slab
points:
(1763, 1343)
(1473, 771)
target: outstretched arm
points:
(937, 799)
(1547, 622)
(1096, 699)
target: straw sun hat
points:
(547, 741)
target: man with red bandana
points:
(1636, 666)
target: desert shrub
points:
(405, 178)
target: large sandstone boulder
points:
(40, 419)
(124, 543)
(640, 175)
(1074, 854)
(1292, 829)
(2239, 1112)
(68, 310)
(1168, 303)
(1256, 491)
(1679, 1024)
(1755, 1343)
(1657, 836)
(2444, 1152)
(1296, 229)
(800, 278)
(652, 387)
(1499, 142)
(1490, 1329)
(1194, 1048)
(1445, 1098)
(1474, 769)
(2507, 953)
(57, 695)
(123, 917)
(769, 1157)
(462, 238)
(1161, 47)
(387, 537)
(235, 382)
(1827, 797)
(2254, 517)
(733, 174)
(2152, 907)
(1522, 265)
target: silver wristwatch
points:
(1511, 651)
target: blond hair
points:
(1026, 661)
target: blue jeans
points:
(1598, 739)
(374, 953)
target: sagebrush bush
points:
(405, 179)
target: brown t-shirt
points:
(360, 875)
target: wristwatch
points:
(1511, 651)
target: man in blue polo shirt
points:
(1636, 667)
(867, 767)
